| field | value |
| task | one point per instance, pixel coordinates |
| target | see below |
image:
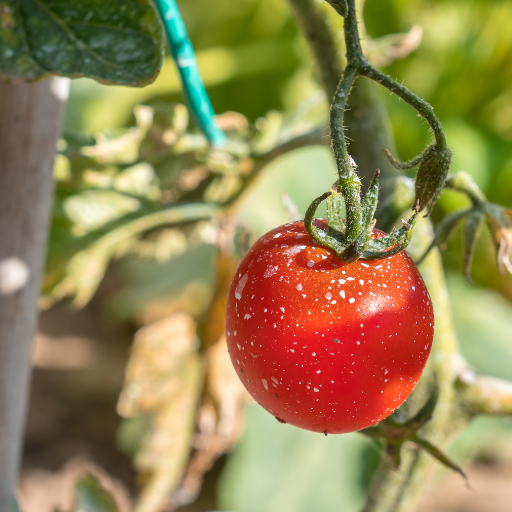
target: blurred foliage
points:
(119, 194)
(137, 185)
(91, 497)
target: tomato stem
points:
(353, 241)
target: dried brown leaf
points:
(152, 376)
(165, 454)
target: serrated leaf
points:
(116, 42)
(91, 497)
(470, 232)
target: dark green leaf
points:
(91, 497)
(116, 42)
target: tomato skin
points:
(324, 345)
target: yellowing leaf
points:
(153, 372)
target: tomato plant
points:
(325, 345)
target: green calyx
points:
(357, 244)
(497, 218)
(351, 239)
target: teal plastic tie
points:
(193, 87)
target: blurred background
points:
(131, 379)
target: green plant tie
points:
(193, 87)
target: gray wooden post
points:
(30, 120)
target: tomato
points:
(324, 345)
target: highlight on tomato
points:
(324, 345)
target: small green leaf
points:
(438, 454)
(113, 42)
(334, 207)
(91, 497)
(371, 199)
(470, 232)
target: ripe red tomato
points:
(324, 345)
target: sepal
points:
(431, 176)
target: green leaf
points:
(115, 42)
(91, 497)
(86, 268)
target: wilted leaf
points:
(165, 454)
(500, 225)
(386, 49)
(152, 374)
(227, 392)
(164, 377)
(91, 497)
(139, 180)
(113, 42)
(95, 208)
(44, 490)
(124, 148)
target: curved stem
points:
(422, 107)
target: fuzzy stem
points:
(422, 107)
(349, 182)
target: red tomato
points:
(324, 345)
